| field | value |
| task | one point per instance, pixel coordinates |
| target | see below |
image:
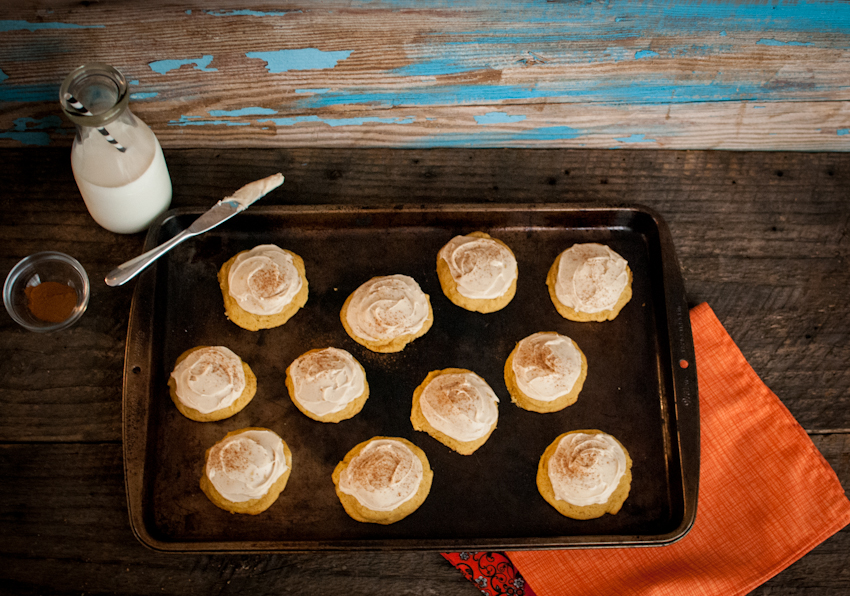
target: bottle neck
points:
(94, 95)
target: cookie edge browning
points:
(365, 515)
(192, 414)
(397, 344)
(250, 321)
(583, 317)
(583, 512)
(352, 409)
(535, 405)
(420, 422)
(480, 305)
(254, 506)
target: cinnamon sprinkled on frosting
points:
(383, 475)
(547, 366)
(461, 405)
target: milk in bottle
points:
(117, 160)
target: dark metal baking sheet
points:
(636, 388)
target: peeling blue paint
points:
(498, 118)
(243, 112)
(333, 122)
(548, 133)
(249, 13)
(196, 121)
(134, 82)
(340, 121)
(722, 34)
(166, 66)
(776, 42)
(303, 59)
(29, 131)
(27, 26)
(433, 68)
(3, 76)
(677, 18)
(324, 90)
(645, 54)
(842, 132)
(498, 139)
(759, 107)
(145, 95)
(635, 138)
(614, 91)
(24, 93)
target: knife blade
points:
(217, 215)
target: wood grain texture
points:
(728, 74)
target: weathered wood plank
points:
(769, 252)
(75, 537)
(732, 74)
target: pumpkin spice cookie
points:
(477, 272)
(263, 287)
(589, 282)
(211, 383)
(456, 407)
(585, 474)
(327, 385)
(382, 480)
(386, 313)
(545, 372)
(246, 471)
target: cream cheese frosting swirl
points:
(546, 365)
(591, 278)
(461, 405)
(482, 268)
(244, 466)
(326, 381)
(385, 474)
(387, 307)
(209, 379)
(586, 468)
(264, 280)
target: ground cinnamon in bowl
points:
(51, 301)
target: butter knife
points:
(220, 213)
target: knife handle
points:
(127, 271)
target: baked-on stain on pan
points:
(636, 389)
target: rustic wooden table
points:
(389, 101)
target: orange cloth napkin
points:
(766, 497)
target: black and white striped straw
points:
(82, 110)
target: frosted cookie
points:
(585, 474)
(456, 407)
(545, 372)
(246, 471)
(383, 480)
(477, 272)
(211, 383)
(327, 385)
(263, 287)
(386, 313)
(589, 282)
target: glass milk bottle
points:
(117, 160)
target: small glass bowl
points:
(37, 269)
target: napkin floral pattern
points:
(492, 573)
